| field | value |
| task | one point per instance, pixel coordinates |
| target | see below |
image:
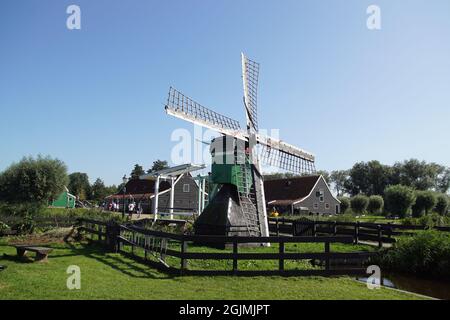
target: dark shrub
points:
(427, 253)
(441, 204)
(376, 204)
(359, 203)
(345, 204)
(399, 200)
(425, 201)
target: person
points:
(131, 206)
(139, 210)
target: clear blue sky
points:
(94, 97)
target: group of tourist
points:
(132, 207)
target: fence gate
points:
(156, 246)
(303, 227)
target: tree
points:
(425, 201)
(370, 178)
(442, 202)
(399, 199)
(79, 185)
(443, 180)
(98, 190)
(137, 172)
(280, 175)
(345, 204)
(358, 181)
(339, 178)
(377, 177)
(359, 203)
(416, 174)
(376, 204)
(158, 165)
(33, 180)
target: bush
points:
(22, 214)
(442, 204)
(427, 253)
(25, 218)
(33, 180)
(359, 203)
(429, 220)
(425, 201)
(376, 204)
(399, 200)
(345, 204)
(3, 227)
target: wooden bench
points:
(41, 252)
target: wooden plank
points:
(274, 255)
(281, 256)
(252, 273)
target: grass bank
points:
(113, 276)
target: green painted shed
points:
(64, 200)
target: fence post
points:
(314, 228)
(112, 236)
(183, 260)
(356, 235)
(281, 258)
(327, 256)
(380, 235)
(235, 256)
(278, 227)
(389, 230)
(335, 228)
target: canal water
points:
(432, 288)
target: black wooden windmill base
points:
(222, 217)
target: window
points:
(327, 206)
(316, 206)
(321, 195)
(185, 187)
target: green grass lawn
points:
(112, 276)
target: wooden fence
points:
(155, 247)
(17, 223)
(360, 231)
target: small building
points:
(185, 195)
(64, 200)
(308, 194)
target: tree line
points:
(372, 178)
(80, 187)
(411, 187)
(42, 179)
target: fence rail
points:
(158, 246)
(360, 231)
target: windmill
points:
(236, 203)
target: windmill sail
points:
(250, 74)
(183, 107)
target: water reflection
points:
(433, 288)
